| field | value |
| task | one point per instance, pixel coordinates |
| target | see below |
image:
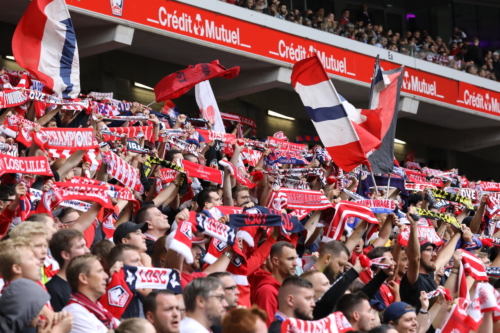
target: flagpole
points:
(151, 103)
(388, 185)
(374, 183)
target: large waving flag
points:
(208, 105)
(341, 130)
(44, 43)
(384, 101)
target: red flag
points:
(177, 84)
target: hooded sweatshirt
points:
(264, 293)
(16, 313)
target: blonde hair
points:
(131, 325)
(10, 255)
(28, 230)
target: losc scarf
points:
(37, 165)
(122, 171)
(200, 171)
(440, 194)
(286, 145)
(236, 174)
(420, 178)
(95, 308)
(490, 186)
(296, 199)
(334, 323)
(289, 222)
(213, 135)
(124, 284)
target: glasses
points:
(69, 222)
(232, 288)
(220, 297)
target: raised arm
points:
(413, 250)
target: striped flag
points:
(347, 142)
(44, 43)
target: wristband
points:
(423, 311)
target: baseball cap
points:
(424, 243)
(395, 311)
(127, 227)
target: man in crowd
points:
(205, 305)
(161, 309)
(356, 308)
(65, 245)
(295, 299)
(157, 223)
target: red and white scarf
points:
(122, 171)
(200, 171)
(37, 165)
(334, 323)
(282, 144)
(296, 199)
(344, 210)
(250, 156)
(213, 135)
(131, 132)
(236, 174)
(183, 145)
(473, 266)
(96, 309)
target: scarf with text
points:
(439, 216)
(251, 157)
(124, 284)
(37, 165)
(421, 178)
(96, 309)
(285, 145)
(321, 155)
(131, 132)
(490, 186)
(305, 172)
(441, 194)
(293, 199)
(286, 157)
(492, 206)
(122, 171)
(213, 135)
(291, 183)
(183, 145)
(417, 187)
(126, 118)
(425, 232)
(493, 271)
(343, 211)
(203, 172)
(378, 206)
(289, 222)
(334, 323)
(236, 174)
(135, 147)
(175, 132)
(353, 195)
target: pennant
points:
(44, 43)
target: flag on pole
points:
(208, 106)
(347, 142)
(44, 43)
(384, 102)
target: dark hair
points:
(204, 196)
(102, 248)
(219, 275)
(169, 156)
(6, 192)
(335, 248)
(62, 241)
(40, 217)
(384, 328)
(356, 286)
(277, 248)
(149, 303)
(348, 303)
(414, 198)
(142, 214)
(378, 251)
(296, 281)
(116, 253)
(199, 287)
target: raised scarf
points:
(286, 157)
(379, 206)
(296, 199)
(441, 194)
(236, 174)
(37, 165)
(334, 323)
(183, 145)
(131, 132)
(122, 171)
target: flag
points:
(208, 106)
(339, 129)
(44, 43)
(384, 101)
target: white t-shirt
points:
(84, 321)
(189, 325)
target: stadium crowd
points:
(461, 52)
(146, 234)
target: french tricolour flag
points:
(44, 43)
(340, 131)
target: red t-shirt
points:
(186, 277)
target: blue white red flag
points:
(339, 128)
(44, 43)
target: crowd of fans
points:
(76, 268)
(461, 52)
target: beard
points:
(429, 267)
(330, 274)
(214, 318)
(299, 314)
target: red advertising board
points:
(189, 21)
